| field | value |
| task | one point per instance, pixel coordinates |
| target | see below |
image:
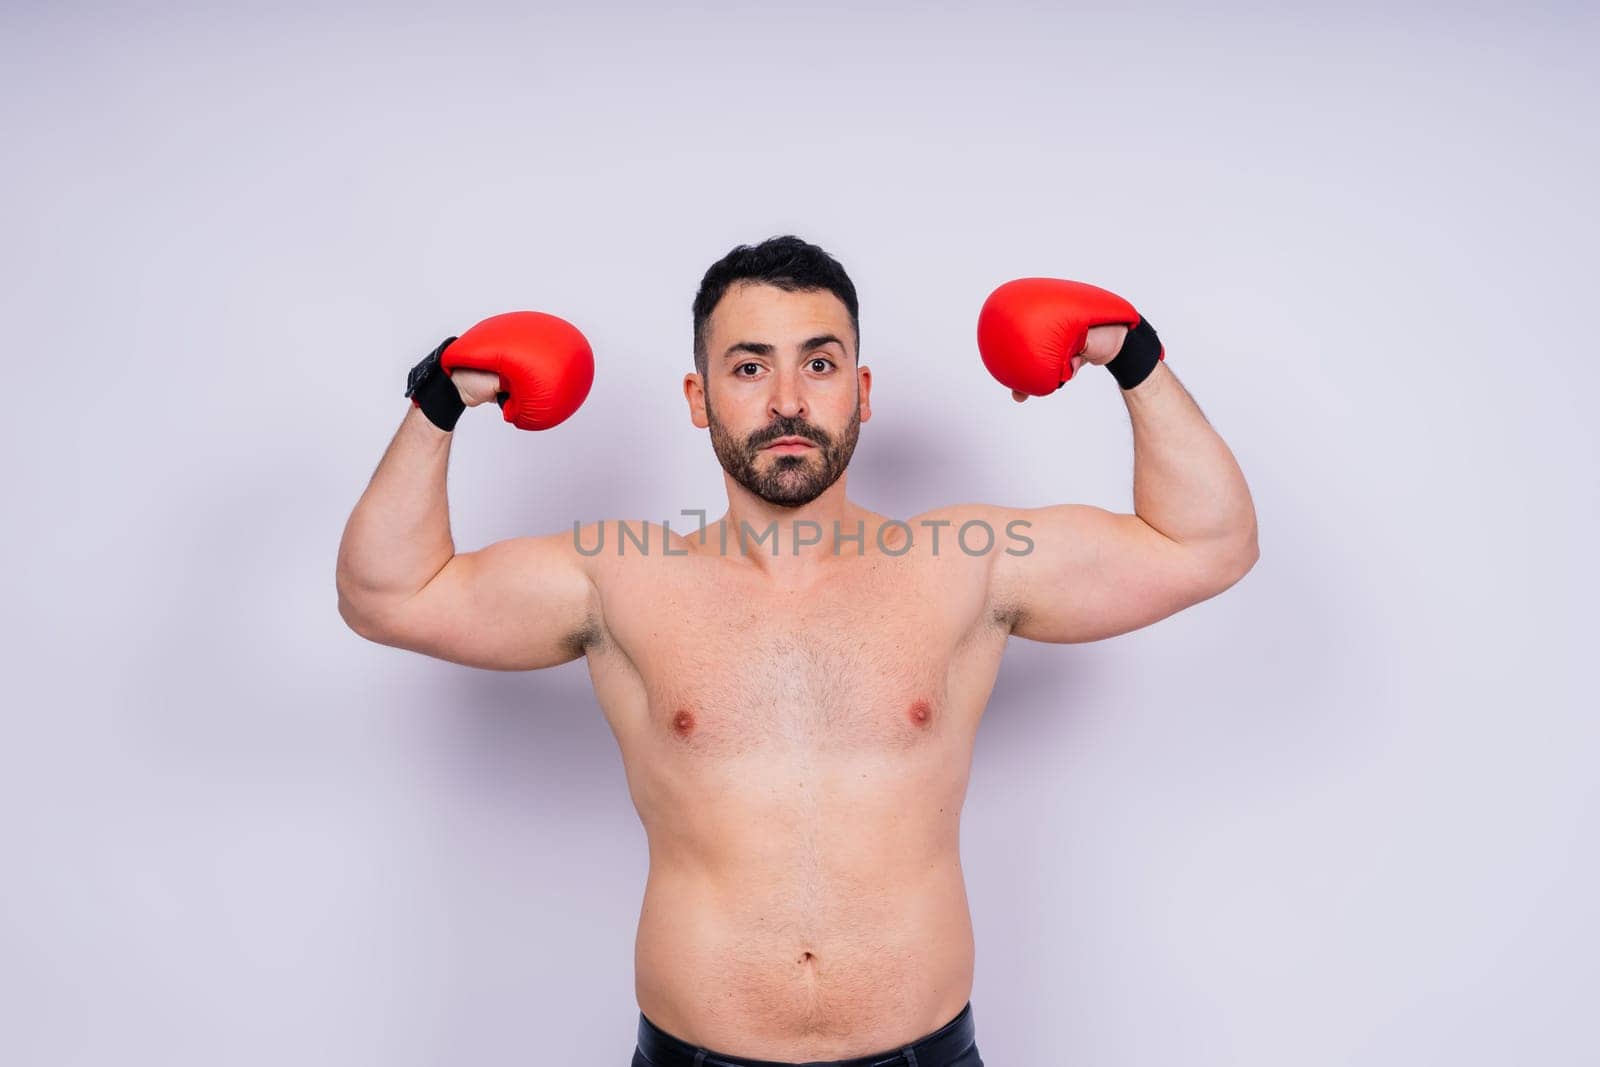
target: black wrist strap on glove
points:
(1138, 356)
(431, 389)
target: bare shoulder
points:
(614, 547)
(971, 516)
(967, 543)
(970, 531)
(632, 562)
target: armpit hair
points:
(1006, 615)
(586, 639)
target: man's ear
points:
(864, 384)
(694, 391)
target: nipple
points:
(921, 713)
(683, 722)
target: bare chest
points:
(722, 665)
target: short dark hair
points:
(786, 262)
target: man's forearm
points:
(1186, 483)
(398, 536)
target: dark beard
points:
(792, 480)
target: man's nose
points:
(788, 396)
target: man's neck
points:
(793, 542)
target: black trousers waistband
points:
(938, 1049)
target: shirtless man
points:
(796, 707)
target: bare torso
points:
(799, 760)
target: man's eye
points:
(742, 366)
(825, 363)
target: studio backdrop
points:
(1342, 814)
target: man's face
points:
(781, 365)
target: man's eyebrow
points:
(759, 348)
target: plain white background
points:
(1343, 814)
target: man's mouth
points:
(789, 444)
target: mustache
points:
(788, 428)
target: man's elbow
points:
(1222, 565)
(363, 622)
(1238, 561)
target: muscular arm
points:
(519, 604)
(1092, 573)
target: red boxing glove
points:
(545, 365)
(1029, 330)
